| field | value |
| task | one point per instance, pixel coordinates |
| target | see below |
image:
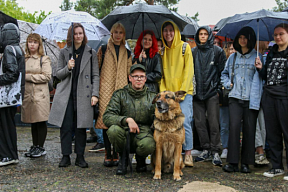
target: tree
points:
(101, 8)
(195, 17)
(11, 8)
(66, 5)
(280, 5)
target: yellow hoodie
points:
(178, 70)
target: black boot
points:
(65, 161)
(115, 158)
(122, 165)
(141, 164)
(80, 161)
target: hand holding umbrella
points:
(258, 63)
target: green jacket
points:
(128, 102)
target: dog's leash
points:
(126, 152)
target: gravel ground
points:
(43, 174)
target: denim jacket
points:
(247, 81)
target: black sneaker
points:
(97, 147)
(273, 172)
(7, 161)
(204, 156)
(38, 152)
(32, 148)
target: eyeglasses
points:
(276, 35)
(138, 77)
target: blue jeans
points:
(187, 109)
(224, 126)
(99, 133)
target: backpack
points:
(50, 82)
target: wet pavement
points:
(43, 174)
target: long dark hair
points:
(69, 34)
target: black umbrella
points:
(7, 19)
(285, 10)
(221, 24)
(191, 28)
(139, 17)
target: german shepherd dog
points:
(169, 134)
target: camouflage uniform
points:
(125, 103)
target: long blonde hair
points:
(116, 26)
(35, 37)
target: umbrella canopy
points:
(50, 47)
(221, 23)
(7, 19)
(139, 17)
(191, 28)
(55, 26)
(285, 10)
(262, 21)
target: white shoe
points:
(224, 154)
(195, 152)
(134, 159)
(148, 160)
(274, 172)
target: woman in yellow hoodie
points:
(178, 71)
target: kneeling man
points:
(131, 109)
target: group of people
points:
(124, 86)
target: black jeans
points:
(211, 106)
(276, 123)
(239, 110)
(8, 135)
(66, 130)
(39, 133)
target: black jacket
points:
(153, 71)
(209, 61)
(12, 66)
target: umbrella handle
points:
(257, 37)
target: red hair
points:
(153, 49)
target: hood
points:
(209, 42)
(177, 36)
(249, 33)
(9, 35)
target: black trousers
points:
(276, 123)
(239, 110)
(39, 133)
(8, 135)
(67, 129)
(211, 106)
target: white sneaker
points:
(134, 159)
(274, 172)
(148, 160)
(285, 177)
(195, 152)
(260, 159)
(224, 154)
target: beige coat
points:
(36, 102)
(114, 75)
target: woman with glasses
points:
(275, 98)
(146, 53)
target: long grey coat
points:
(85, 90)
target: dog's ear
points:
(156, 98)
(179, 94)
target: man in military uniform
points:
(131, 109)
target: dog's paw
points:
(156, 176)
(177, 177)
